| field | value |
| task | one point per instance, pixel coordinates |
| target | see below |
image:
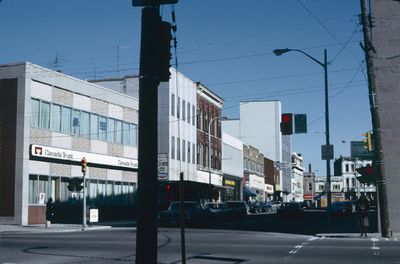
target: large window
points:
(172, 147)
(178, 149)
(125, 133)
(188, 152)
(66, 120)
(178, 108)
(102, 128)
(173, 104)
(193, 115)
(76, 122)
(133, 134)
(183, 150)
(183, 110)
(45, 115)
(118, 132)
(56, 117)
(35, 113)
(85, 124)
(188, 113)
(94, 126)
(193, 154)
(111, 130)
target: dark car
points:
(342, 208)
(217, 211)
(291, 209)
(238, 208)
(194, 214)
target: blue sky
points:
(225, 44)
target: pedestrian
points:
(49, 212)
(362, 208)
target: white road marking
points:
(374, 247)
(296, 248)
(374, 239)
(312, 238)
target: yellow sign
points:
(230, 182)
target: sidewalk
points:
(355, 235)
(55, 228)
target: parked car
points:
(342, 208)
(217, 211)
(291, 209)
(255, 208)
(267, 207)
(238, 208)
(194, 214)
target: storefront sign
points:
(256, 182)
(93, 215)
(229, 183)
(71, 155)
(269, 188)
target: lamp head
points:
(279, 52)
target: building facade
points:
(297, 190)
(53, 121)
(253, 162)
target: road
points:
(117, 245)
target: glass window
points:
(66, 120)
(188, 155)
(45, 115)
(94, 126)
(93, 188)
(35, 113)
(117, 188)
(111, 130)
(193, 154)
(109, 188)
(178, 108)
(193, 114)
(76, 121)
(125, 133)
(172, 147)
(44, 186)
(183, 150)
(173, 104)
(178, 149)
(188, 113)
(101, 187)
(85, 124)
(183, 110)
(102, 128)
(56, 117)
(33, 189)
(133, 134)
(118, 132)
(64, 190)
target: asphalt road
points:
(117, 245)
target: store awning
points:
(248, 192)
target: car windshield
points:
(188, 207)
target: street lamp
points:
(328, 148)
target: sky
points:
(225, 44)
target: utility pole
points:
(378, 156)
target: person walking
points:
(362, 208)
(49, 212)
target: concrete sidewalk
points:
(55, 228)
(355, 235)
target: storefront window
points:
(44, 186)
(45, 115)
(56, 117)
(118, 132)
(117, 188)
(133, 134)
(109, 188)
(64, 190)
(101, 187)
(33, 189)
(94, 126)
(35, 113)
(93, 188)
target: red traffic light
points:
(287, 124)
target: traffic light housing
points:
(367, 141)
(287, 124)
(75, 184)
(300, 123)
(152, 2)
(368, 174)
(165, 52)
(83, 166)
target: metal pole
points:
(182, 217)
(146, 234)
(209, 154)
(328, 161)
(84, 200)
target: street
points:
(117, 245)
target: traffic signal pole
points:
(83, 165)
(146, 232)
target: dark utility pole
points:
(378, 156)
(146, 234)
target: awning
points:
(248, 192)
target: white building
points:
(297, 190)
(50, 121)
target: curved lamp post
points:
(279, 52)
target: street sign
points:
(327, 152)
(357, 150)
(93, 215)
(153, 2)
(162, 166)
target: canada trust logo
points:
(38, 151)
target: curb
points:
(56, 229)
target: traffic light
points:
(75, 184)
(165, 52)
(368, 174)
(152, 2)
(300, 123)
(367, 141)
(287, 124)
(83, 166)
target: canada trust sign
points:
(71, 155)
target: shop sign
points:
(93, 215)
(256, 182)
(71, 155)
(229, 182)
(269, 188)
